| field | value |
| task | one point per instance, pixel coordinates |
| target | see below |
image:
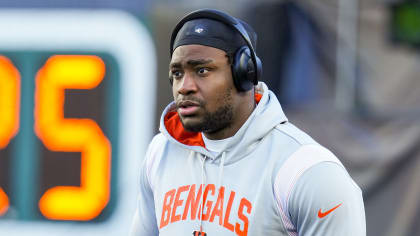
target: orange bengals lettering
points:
(218, 208)
(186, 200)
(167, 206)
(248, 205)
(209, 187)
(178, 203)
(226, 223)
(193, 201)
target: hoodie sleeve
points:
(144, 220)
(326, 202)
(317, 197)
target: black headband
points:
(212, 33)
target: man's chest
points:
(231, 201)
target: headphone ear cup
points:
(243, 71)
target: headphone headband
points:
(218, 16)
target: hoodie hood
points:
(265, 117)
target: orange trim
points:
(258, 97)
(176, 129)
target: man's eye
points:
(202, 70)
(176, 74)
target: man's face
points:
(203, 88)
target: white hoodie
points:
(272, 179)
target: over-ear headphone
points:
(246, 66)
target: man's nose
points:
(187, 84)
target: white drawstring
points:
(221, 165)
(203, 181)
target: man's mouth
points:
(187, 108)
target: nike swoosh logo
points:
(323, 214)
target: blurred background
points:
(346, 72)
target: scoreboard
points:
(77, 91)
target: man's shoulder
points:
(301, 160)
(301, 175)
(285, 139)
(303, 155)
(290, 131)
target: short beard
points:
(214, 121)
